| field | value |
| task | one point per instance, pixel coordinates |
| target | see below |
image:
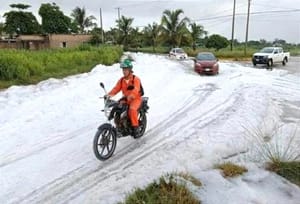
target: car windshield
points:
(205, 56)
(179, 51)
(266, 50)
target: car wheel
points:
(284, 62)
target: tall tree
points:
(20, 22)
(1, 28)
(152, 32)
(111, 36)
(135, 38)
(54, 20)
(197, 31)
(216, 41)
(173, 27)
(124, 25)
(96, 36)
(82, 20)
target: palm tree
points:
(81, 20)
(174, 28)
(135, 38)
(197, 31)
(111, 36)
(124, 25)
(152, 32)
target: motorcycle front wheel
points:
(105, 142)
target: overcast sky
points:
(214, 15)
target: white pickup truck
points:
(270, 55)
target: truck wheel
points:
(270, 63)
(284, 62)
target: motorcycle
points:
(105, 140)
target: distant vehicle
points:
(206, 63)
(178, 53)
(270, 55)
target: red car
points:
(206, 63)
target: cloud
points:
(216, 17)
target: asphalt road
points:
(293, 65)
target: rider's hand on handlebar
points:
(130, 98)
(106, 96)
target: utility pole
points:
(247, 26)
(118, 12)
(118, 22)
(102, 36)
(232, 31)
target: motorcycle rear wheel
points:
(142, 124)
(105, 142)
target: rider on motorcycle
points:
(129, 84)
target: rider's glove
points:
(106, 97)
(130, 98)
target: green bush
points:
(288, 170)
(26, 67)
(167, 191)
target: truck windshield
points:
(266, 50)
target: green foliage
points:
(216, 41)
(27, 67)
(96, 36)
(167, 191)
(135, 39)
(159, 49)
(20, 6)
(280, 151)
(82, 20)
(54, 20)
(12, 67)
(151, 35)
(231, 170)
(288, 170)
(197, 31)
(20, 22)
(1, 28)
(173, 28)
(125, 28)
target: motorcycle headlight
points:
(107, 111)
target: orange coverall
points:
(133, 96)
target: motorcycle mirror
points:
(102, 85)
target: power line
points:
(252, 13)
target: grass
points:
(168, 190)
(22, 67)
(274, 145)
(231, 170)
(288, 170)
(189, 177)
(279, 149)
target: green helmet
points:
(126, 64)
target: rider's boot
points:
(135, 132)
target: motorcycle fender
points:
(107, 125)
